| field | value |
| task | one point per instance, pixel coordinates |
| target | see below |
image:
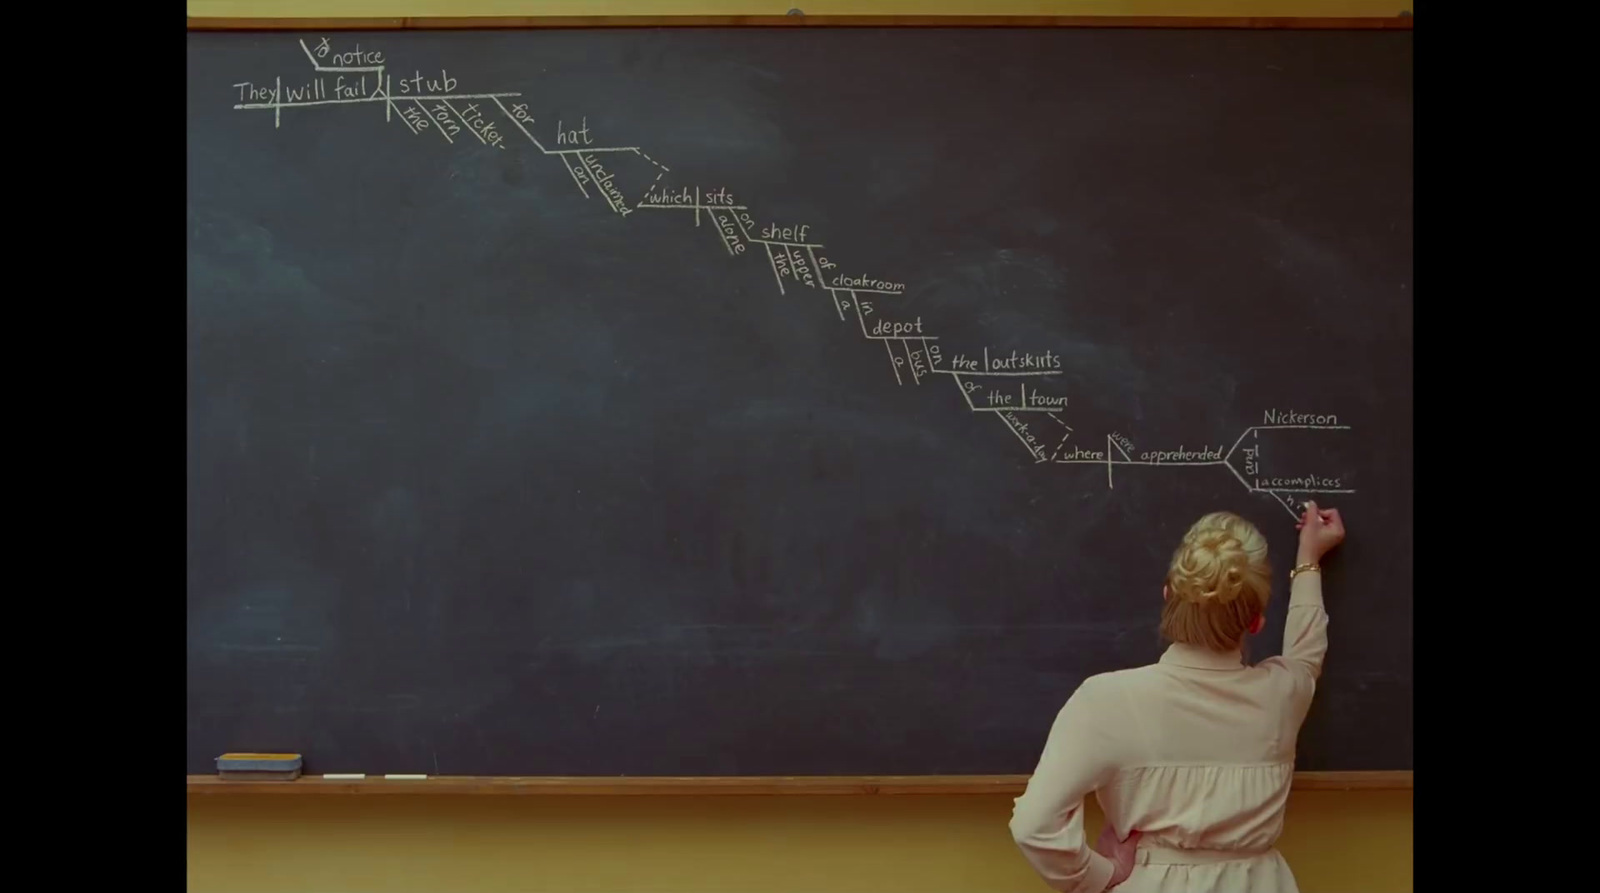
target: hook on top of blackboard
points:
(797, 12)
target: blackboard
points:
(760, 402)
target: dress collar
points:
(1199, 657)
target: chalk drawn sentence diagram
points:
(1005, 387)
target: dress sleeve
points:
(1047, 820)
(1305, 634)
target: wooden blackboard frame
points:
(441, 23)
(811, 785)
(821, 785)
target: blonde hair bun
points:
(1220, 571)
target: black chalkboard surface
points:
(749, 402)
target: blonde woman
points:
(1191, 757)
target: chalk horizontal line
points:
(792, 244)
(696, 207)
(870, 291)
(1299, 427)
(901, 337)
(590, 149)
(1130, 462)
(1015, 409)
(1294, 490)
(980, 373)
(292, 105)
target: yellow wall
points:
(1336, 842)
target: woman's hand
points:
(1120, 852)
(1320, 531)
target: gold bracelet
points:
(1305, 569)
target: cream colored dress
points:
(1196, 752)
